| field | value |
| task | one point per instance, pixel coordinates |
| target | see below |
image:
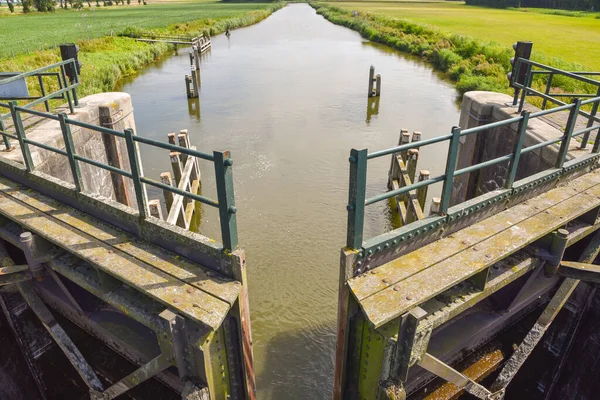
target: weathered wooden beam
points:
(176, 165)
(165, 178)
(422, 191)
(155, 208)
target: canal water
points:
(288, 97)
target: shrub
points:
(26, 6)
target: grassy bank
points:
(106, 59)
(474, 64)
(567, 35)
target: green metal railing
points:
(222, 163)
(66, 90)
(536, 69)
(357, 200)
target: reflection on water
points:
(288, 97)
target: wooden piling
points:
(155, 209)
(194, 77)
(371, 76)
(416, 137)
(171, 138)
(422, 191)
(436, 206)
(176, 165)
(165, 178)
(197, 64)
(411, 164)
(378, 85)
(404, 139)
(188, 89)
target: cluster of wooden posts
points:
(402, 173)
(374, 83)
(192, 82)
(181, 211)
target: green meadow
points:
(30, 40)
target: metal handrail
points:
(358, 162)
(222, 163)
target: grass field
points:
(35, 31)
(29, 40)
(572, 38)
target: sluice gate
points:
(420, 307)
(79, 243)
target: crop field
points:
(571, 36)
(35, 31)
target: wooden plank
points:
(388, 274)
(191, 206)
(206, 280)
(391, 302)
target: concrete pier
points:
(481, 108)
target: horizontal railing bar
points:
(496, 124)
(5, 105)
(94, 127)
(38, 113)
(404, 189)
(45, 146)
(408, 146)
(574, 95)
(572, 72)
(582, 131)
(595, 99)
(560, 72)
(543, 144)
(550, 111)
(566, 106)
(36, 71)
(172, 147)
(484, 164)
(160, 185)
(103, 166)
(9, 135)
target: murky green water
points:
(288, 98)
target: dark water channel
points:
(288, 98)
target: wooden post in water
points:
(197, 64)
(155, 209)
(194, 77)
(374, 83)
(436, 206)
(188, 86)
(371, 77)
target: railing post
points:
(566, 140)
(450, 168)
(548, 87)
(513, 79)
(356, 198)
(226, 199)
(526, 85)
(514, 164)
(43, 90)
(75, 81)
(20, 131)
(5, 138)
(70, 149)
(586, 136)
(134, 161)
(63, 76)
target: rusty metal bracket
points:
(180, 345)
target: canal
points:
(288, 97)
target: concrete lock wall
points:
(110, 110)
(480, 108)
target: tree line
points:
(51, 5)
(585, 5)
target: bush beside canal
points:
(108, 59)
(472, 63)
